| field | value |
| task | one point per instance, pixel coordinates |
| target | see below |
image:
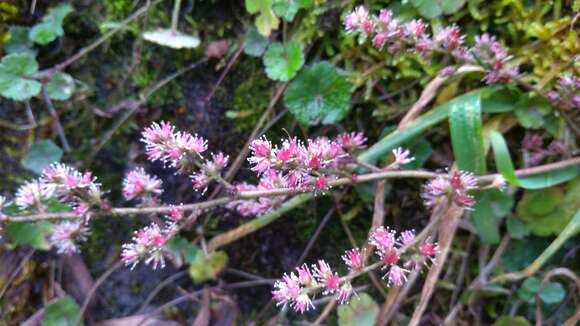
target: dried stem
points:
(54, 115)
(446, 232)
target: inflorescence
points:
(311, 165)
(397, 256)
(386, 31)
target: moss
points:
(251, 97)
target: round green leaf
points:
(319, 94)
(41, 154)
(511, 321)
(283, 61)
(63, 312)
(19, 42)
(516, 228)
(361, 311)
(255, 43)
(31, 234)
(51, 25)
(15, 77)
(205, 268)
(61, 86)
(552, 292)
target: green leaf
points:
(516, 228)
(490, 206)
(502, 157)
(255, 43)
(361, 311)
(41, 154)
(31, 234)
(434, 8)
(552, 292)
(266, 21)
(531, 111)
(287, 9)
(60, 87)
(549, 179)
(499, 100)
(283, 61)
(16, 71)
(19, 42)
(417, 127)
(205, 268)
(548, 211)
(421, 152)
(64, 312)
(529, 289)
(466, 135)
(511, 321)
(319, 94)
(51, 25)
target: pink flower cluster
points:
(66, 235)
(140, 185)
(385, 30)
(391, 248)
(535, 152)
(295, 164)
(296, 288)
(69, 186)
(183, 151)
(148, 244)
(566, 94)
(454, 187)
(306, 165)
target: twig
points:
(16, 272)
(314, 237)
(447, 230)
(429, 93)
(222, 76)
(159, 287)
(175, 15)
(31, 121)
(82, 52)
(98, 283)
(133, 106)
(281, 192)
(52, 111)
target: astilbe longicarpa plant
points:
(311, 165)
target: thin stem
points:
(82, 52)
(52, 111)
(160, 287)
(30, 115)
(123, 211)
(175, 15)
(98, 283)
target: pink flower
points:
(383, 239)
(396, 276)
(402, 156)
(344, 293)
(32, 194)
(175, 213)
(326, 276)
(407, 237)
(450, 37)
(454, 188)
(148, 245)
(415, 28)
(429, 249)
(139, 184)
(320, 183)
(65, 236)
(356, 20)
(353, 259)
(200, 181)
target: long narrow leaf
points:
(503, 160)
(466, 136)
